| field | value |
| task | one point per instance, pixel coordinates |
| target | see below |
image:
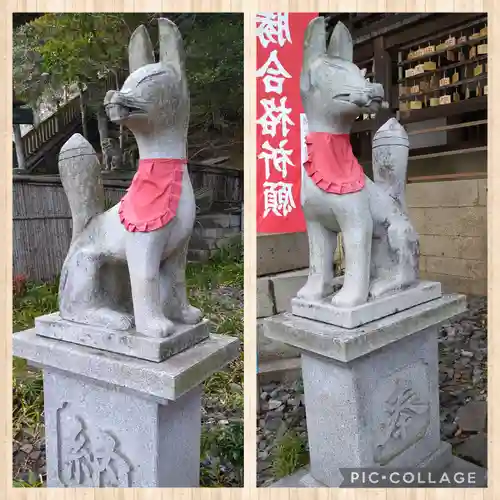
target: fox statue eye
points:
(151, 76)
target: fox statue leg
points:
(322, 246)
(352, 212)
(143, 258)
(173, 288)
(81, 300)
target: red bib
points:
(331, 163)
(152, 199)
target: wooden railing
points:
(59, 122)
(49, 128)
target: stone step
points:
(219, 220)
(277, 253)
(285, 371)
(269, 350)
(214, 232)
(203, 243)
(275, 292)
(195, 255)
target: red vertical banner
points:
(280, 120)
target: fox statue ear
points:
(140, 49)
(314, 48)
(340, 43)
(171, 45)
(314, 41)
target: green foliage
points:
(225, 269)
(217, 289)
(80, 48)
(222, 455)
(27, 386)
(28, 82)
(27, 399)
(214, 53)
(38, 299)
(288, 455)
(32, 482)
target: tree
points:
(214, 67)
(83, 49)
(30, 82)
(214, 47)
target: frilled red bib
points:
(152, 199)
(331, 163)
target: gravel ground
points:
(463, 390)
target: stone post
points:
(122, 409)
(371, 390)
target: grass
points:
(217, 288)
(220, 446)
(32, 482)
(288, 455)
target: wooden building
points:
(434, 71)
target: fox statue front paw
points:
(189, 315)
(350, 297)
(316, 288)
(155, 326)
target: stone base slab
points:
(343, 344)
(325, 312)
(163, 381)
(303, 478)
(129, 343)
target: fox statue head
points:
(154, 100)
(333, 89)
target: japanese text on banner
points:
(279, 59)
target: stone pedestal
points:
(115, 420)
(371, 392)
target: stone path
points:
(463, 392)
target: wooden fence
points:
(42, 218)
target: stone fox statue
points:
(128, 263)
(381, 246)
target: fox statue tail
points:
(390, 147)
(81, 178)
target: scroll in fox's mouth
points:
(119, 107)
(119, 112)
(363, 99)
